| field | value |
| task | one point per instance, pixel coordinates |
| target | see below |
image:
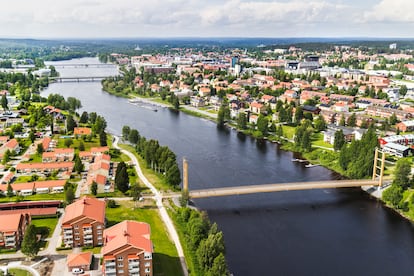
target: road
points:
(158, 199)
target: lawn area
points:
(59, 196)
(19, 272)
(317, 140)
(76, 141)
(166, 261)
(94, 250)
(288, 131)
(46, 226)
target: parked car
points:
(77, 271)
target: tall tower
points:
(185, 174)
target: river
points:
(317, 232)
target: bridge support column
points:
(378, 170)
(185, 175)
(374, 173)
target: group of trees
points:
(58, 101)
(204, 241)
(122, 177)
(303, 134)
(401, 182)
(356, 158)
(159, 158)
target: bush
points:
(111, 203)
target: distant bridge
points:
(84, 65)
(78, 79)
(377, 178)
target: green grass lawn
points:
(76, 141)
(317, 140)
(59, 196)
(166, 261)
(19, 272)
(94, 250)
(46, 226)
(288, 131)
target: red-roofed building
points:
(79, 131)
(11, 233)
(79, 260)
(11, 145)
(59, 155)
(128, 249)
(256, 107)
(44, 167)
(46, 143)
(83, 223)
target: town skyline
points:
(234, 18)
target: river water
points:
(317, 232)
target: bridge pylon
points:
(379, 164)
(185, 175)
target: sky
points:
(206, 18)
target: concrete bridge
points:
(78, 79)
(81, 65)
(377, 178)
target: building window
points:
(76, 227)
(147, 270)
(147, 264)
(120, 258)
(121, 271)
(120, 264)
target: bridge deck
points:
(267, 188)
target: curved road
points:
(158, 199)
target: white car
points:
(77, 271)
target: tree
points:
(352, 120)
(30, 246)
(209, 249)
(125, 132)
(81, 146)
(393, 195)
(122, 177)
(4, 102)
(393, 119)
(84, 118)
(173, 175)
(342, 121)
(320, 123)
(9, 190)
(262, 124)
(220, 116)
(32, 136)
(68, 142)
(298, 114)
(242, 120)
(102, 139)
(94, 188)
(401, 173)
(70, 123)
(6, 157)
(133, 136)
(39, 149)
(69, 195)
(135, 193)
(176, 103)
(78, 165)
(339, 140)
(219, 266)
(403, 90)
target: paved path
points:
(163, 212)
(24, 267)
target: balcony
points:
(110, 271)
(87, 231)
(133, 270)
(133, 266)
(110, 265)
(10, 238)
(89, 236)
(67, 230)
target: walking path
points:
(163, 212)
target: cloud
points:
(391, 11)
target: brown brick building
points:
(83, 223)
(12, 228)
(127, 250)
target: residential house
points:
(11, 145)
(405, 126)
(11, 233)
(127, 249)
(28, 168)
(80, 131)
(83, 223)
(386, 112)
(197, 101)
(257, 108)
(58, 155)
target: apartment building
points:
(127, 250)
(11, 233)
(83, 223)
